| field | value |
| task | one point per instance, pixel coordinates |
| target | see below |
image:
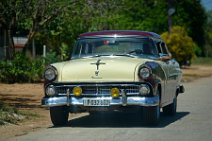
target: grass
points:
(200, 67)
(9, 114)
(202, 61)
(12, 115)
(29, 115)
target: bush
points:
(63, 52)
(180, 45)
(51, 57)
(9, 114)
(21, 69)
(207, 61)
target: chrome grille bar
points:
(98, 90)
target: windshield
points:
(90, 47)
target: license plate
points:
(96, 102)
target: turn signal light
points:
(115, 92)
(77, 91)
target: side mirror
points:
(181, 89)
(165, 57)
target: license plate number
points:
(96, 102)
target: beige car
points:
(114, 70)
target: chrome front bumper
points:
(124, 101)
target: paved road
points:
(193, 122)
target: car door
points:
(165, 67)
(171, 74)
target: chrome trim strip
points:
(93, 89)
(124, 97)
(97, 85)
(136, 100)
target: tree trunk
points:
(29, 41)
(11, 47)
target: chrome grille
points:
(61, 90)
(132, 89)
(92, 90)
(96, 90)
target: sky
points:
(207, 4)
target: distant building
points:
(19, 43)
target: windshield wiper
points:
(97, 55)
(100, 55)
(126, 54)
(136, 51)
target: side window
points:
(164, 49)
(159, 47)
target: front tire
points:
(59, 115)
(171, 109)
(151, 115)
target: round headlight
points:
(144, 90)
(50, 74)
(50, 90)
(144, 72)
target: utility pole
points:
(33, 48)
(5, 43)
(171, 11)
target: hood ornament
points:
(97, 63)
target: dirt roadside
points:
(195, 72)
(26, 97)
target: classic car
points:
(114, 70)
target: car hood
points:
(99, 69)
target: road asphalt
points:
(193, 122)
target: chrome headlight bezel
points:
(144, 72)
(144, 89)
(50, 73)
(50, 90)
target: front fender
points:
(157, 78)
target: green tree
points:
(192, 15)
(39, 13)
(180, 45)
(30, 15)
(55, 22)
(208, 38)
(8, 13)
(83, 16)
(149, 15)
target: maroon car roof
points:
(121, 32)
